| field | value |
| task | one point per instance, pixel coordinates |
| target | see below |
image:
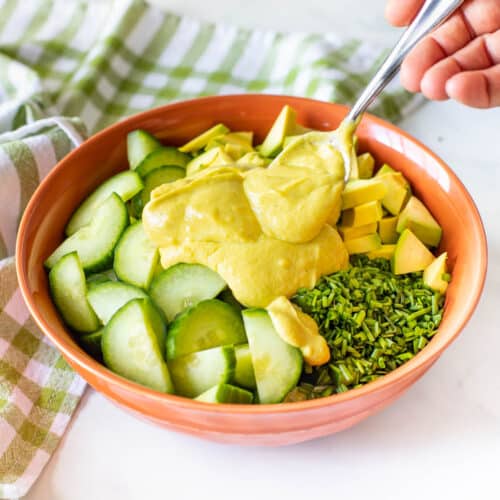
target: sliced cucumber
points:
(157, 177)
(184, 285)
(68, 289)
(166, 156)
(227, 296)
(139, 144)
(125, 185)
(106, 298)
(277, 365)
(131, 347)
(197, 372)
(104, 277)
(244, 374)
(91, 344)
(210, 323)
(226, 393)
(95, 243)
(136, 257)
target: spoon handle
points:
(432, 13)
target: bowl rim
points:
(77, 357)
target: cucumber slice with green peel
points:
(227, 296)
(136, 257)
(91, 344)
(106, 298)
(130, 346)
(166, 156)
(125, 185)
(139, 144)
(277, 365)
(226, 393)
(244, 374)
(184, 285)
(211, 323)
(103, 277)
(95, 243)
(157, 177)
(69, 290)
(195, 373)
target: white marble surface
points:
(440, 440)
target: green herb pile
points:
(373, 322)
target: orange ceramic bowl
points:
(104, 154)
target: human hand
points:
(459, 60)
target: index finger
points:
(402, 13)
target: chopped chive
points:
(372, 320)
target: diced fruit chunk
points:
(68, 289)
(398, 192)
(125, 185)
(197, 372)
(434, 272)
(365, 167)
(200, 141)
(226, 393)
(284, 125)
(349, 233)
(214, 156)
(136, 257)
(416, 217)
(383, 252)
(95, 243)
(362, 191)
(277, 365)
(385, 169)
(363, 244)
(184, 285)
(107, 297)
(131, 346)
(387, 229)
(244, 374)
(410, 254)
(210, 323)
(139, 144)
(362, 214)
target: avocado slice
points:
(363, 244)
(253, 160)
(398, 192)
(383, 252)
(361, 215)
(349, 233)
(214, 156)
(200, 141)
(387, 229)
(433, 274)
(410, 254)
(364, 168)
(357, 192)
(284, 125)
(385, 169)
(416, 217)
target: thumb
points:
(402, 13)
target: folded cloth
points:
(100, 61)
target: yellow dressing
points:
(266, 231)
(299, 330)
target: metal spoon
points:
(431, 15)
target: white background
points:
(441, 440)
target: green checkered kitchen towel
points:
(100, 61)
